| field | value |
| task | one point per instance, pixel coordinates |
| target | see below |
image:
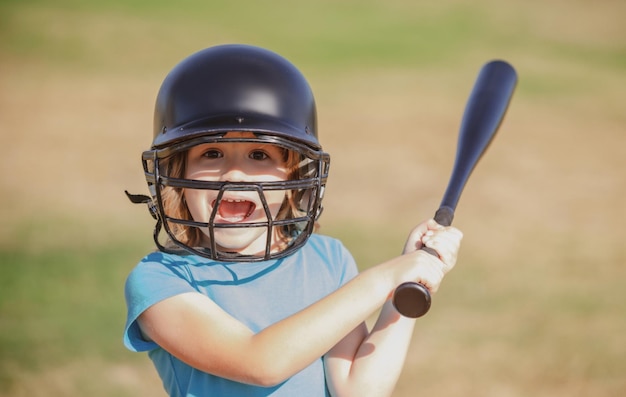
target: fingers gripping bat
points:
(483, 114)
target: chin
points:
(245, 243)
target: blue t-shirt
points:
(258, 294)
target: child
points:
(243, 298)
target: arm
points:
(215, 342)
(375, 367)
(370, 363)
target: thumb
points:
(414, 241)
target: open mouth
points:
(235, 210)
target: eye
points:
(212, 154)
(258, 155)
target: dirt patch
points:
(87, 377)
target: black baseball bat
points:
(482, 117)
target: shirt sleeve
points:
(151, 281)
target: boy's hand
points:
(444, 240)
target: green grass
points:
(62, 303)
(347, 34)
(383, 34)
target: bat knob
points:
(411, 299)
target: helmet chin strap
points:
(143, 199)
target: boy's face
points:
(236, 162)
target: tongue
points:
(235, 211)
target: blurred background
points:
(536, 305)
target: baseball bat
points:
(482, 117)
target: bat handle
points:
(413, 299)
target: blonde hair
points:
(174, 204)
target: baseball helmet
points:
(214, 92)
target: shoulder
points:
(329, 253)
(158, 269)
(167, 259)
(163, 263)
(326, 245)
(156, 277)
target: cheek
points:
(275, 200)
(197, 203)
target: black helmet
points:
(221, 90)
(233, 88)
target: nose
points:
(234, 173)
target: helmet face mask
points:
(292, 224)
(205, 98)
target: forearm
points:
(378, 359)
(371, 363)
(290, 345)
(311, 333)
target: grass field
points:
(536, 305)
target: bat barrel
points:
(483, 115)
